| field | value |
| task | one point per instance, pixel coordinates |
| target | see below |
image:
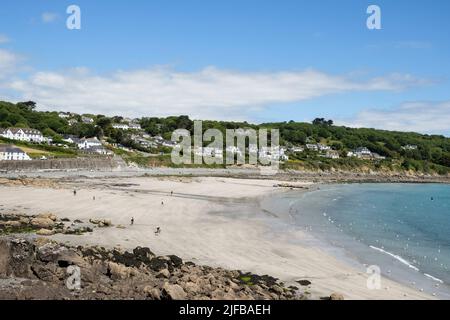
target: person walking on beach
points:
(132, 220)
(74, 192)
(158, 231)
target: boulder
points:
(164, 273)
(175, 261)
(304, 282)
(44, 223)
(13, 224)
(153, 293)
(173, 292)
(101, 223)
(191, 287)
(118, 271)
(157, 264)
(45, 232)
(48, 215)
(336, 296)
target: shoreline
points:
(197, 225)
(238, 173)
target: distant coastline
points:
(109, 169)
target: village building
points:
(332, 154)
(276, 154)
(209, 152)
(88, 120)
(12, 153)
(134, 126)
(296, 149)
(312, 147)
(64, 115)
(22, 134)
(121, 126)
(99, 150)
(70, 138)
(323, 147)
(72, 122)
(410, 147)
(88, 143)
(364, 153)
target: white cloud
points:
(3, 39)
(425, 117)
(48, 17)
(9, 62)
(209, 93)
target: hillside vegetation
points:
(430, 155)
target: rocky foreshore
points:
(39, 268)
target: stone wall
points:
(91, 163)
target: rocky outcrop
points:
(45, 224)
(43, 269)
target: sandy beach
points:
(208, 220)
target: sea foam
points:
(397, 257)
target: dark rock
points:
(304, 282)
(175, 261)
(158, 264)
(41, 270)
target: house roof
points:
(25, 130)
(10, 149)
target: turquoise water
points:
(403, 228)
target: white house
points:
(233, 150)
(297, 149)
(410, 147)
(134, 126)
(88, 143)
(323, 147)
(364, 153)
(332, 154)
(276, 153)
(10, 153)
(85, 119)
(71, 139)
(121, 126)
(313, 147)
(22, 134)
(209, 152)
(317, 147)
(100, 150)
(168, 143)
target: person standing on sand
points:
(132, 220)
(74, 192)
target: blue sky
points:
(243, 60)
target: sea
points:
(403, 229)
